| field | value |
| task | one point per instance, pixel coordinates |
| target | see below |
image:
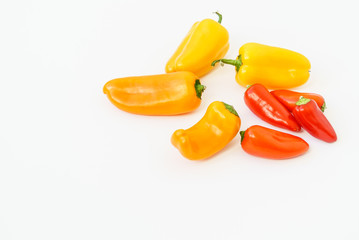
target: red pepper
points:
(269, 143)
(268, 108)
(288, 98)
(312, 119)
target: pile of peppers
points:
(259, 68)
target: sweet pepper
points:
(206, 41)
(263, 104)
(289, 98)
(273, 67)
(163, 94)
(269, 143)
(312, 119)
(219, 125)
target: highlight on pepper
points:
(219, 125)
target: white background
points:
(72, 166)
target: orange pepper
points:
(212, 133)
(163, 94)
(269, 143)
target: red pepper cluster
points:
(286, 109)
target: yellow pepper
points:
(206, 41)
(212, 133)
(273, 67)
(162, 94)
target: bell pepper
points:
(212, 133)
(312, 119)
(163, 94)
(273, 67)
(206, 41)
(289, 98)
(269, 143)
(268, 108)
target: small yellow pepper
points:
(163, 94)
(212, 133)
(206, 41)
(273, 67)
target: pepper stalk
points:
(235, 62)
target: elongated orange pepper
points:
(269, 143)
(206, 41)
(212, 133)
(272, 67)
(163, 94)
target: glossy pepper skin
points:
(206, 41)
(164, 94)
(273, 67)
(263, 104)
(289, 98)
(269, 143)
(312, 119)
(212, 133)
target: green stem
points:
(235, 62)
(323, 107)
(231, 109)
(219, 17)
(199, 88)
(302, 101)
(242, 135)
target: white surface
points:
(72, 166)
